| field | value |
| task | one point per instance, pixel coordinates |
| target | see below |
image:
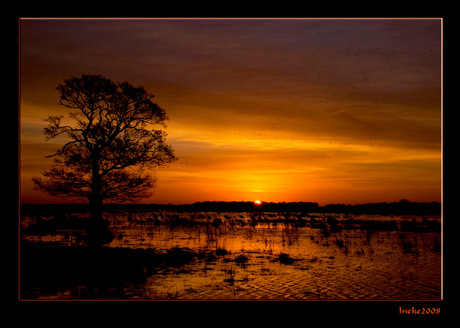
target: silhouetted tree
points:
(111, 139)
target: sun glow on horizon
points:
(335, 119)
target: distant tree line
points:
(403, 207)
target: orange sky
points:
(322, 110)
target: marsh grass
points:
(229, 274)
(221, 251)
(213, 224)
(241, 259)
(106, 272)
(436, 246)
(343, 244)
(285, 259)
(170, 246)
(409, 245)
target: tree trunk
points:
(97, 233)
(95, 200)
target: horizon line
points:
(242, 201)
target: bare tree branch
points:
(108, 142)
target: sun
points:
(257, 202)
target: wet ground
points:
(228, 256)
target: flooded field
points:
(239, 256)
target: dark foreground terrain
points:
(232, 255)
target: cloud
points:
(296, 99)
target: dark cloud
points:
(343, 85)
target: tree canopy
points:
(112, 140)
